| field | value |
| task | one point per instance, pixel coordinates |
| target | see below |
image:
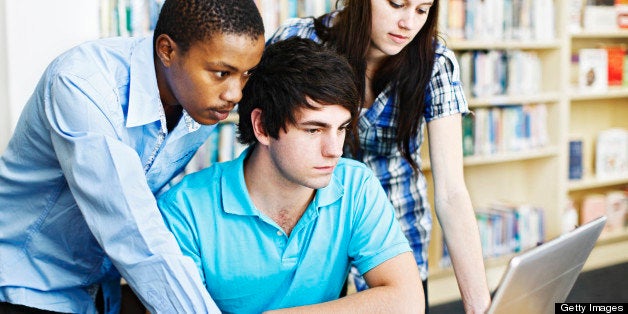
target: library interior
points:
(545, 150)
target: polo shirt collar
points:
(236, 199)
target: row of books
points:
(128, 17)
(610, 155)
(613, 204)
(499, 19)
(274, 12)
(597, 15)
(599, 68)
(506, 229)
(501, 129)
(138, 17)
(500, 72)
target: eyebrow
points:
(320, 123)
(231, 67)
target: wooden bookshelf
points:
(543, 174)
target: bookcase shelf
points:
(541, 176)
(542, 97)
(588, 183)
(619, 33)
(457, 44)
(577, 94)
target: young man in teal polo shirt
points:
(279, 227)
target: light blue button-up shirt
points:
(250, 265)
(78, 182)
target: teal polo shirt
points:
(248, 263)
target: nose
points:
(408, 20)
(332, 145)
(233, 91)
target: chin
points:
(319, 184)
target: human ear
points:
(165, 48)
(258, 127)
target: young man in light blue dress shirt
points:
(279, 227)
(110, 123)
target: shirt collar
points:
(144, 102)
(236, 199)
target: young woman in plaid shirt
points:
(409, 79)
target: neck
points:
(172, 109)
(173, 115)
(268, 190)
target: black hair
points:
(190, 21)
(290, 72)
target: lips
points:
(221, 115)
(325, 169)
(398, 39)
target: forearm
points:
(395, 288)
(459, 225)
(373, 300)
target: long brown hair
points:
(410, 70)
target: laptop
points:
(539, 277)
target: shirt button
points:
(279, 233)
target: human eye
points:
(395, 5)
(423, 10)
(221, 74)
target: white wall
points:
(5, 119)
(33, 33)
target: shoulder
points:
(295, 27)
(202, 182)
(444, 59)
(352, 172)
(97, 56)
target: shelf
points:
(456, 44)
(593, 183)
(613, 237)
(619, 33)
(610, 93)
(550, 151)
(543, 97)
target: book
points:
(456, 19)
(625, 83)
(467, 135)
(616, 209)
(574, 15)
(226, 141)
(593, 206)
(593, 69)
(621, 7)
(611, 154)
(576, 164)
(599, 15)
(616, 55)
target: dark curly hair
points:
(290, 71)
(189, 21)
